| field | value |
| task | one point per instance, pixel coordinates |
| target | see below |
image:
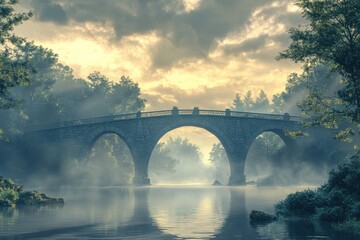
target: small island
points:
(12, 195)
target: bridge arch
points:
(263, 145)
(166, 129)
(201, 173)
(277, 130)
(109, 160)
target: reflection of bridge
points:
(142, 130)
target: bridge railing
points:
(174, 111)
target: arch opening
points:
(265, 158)
(109, 162)
(188, 155)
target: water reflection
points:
(189, 212)
(157, 213)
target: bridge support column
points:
(237, 163)
(141, 158)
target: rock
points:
(251, 183)
(261, 217)
(217, 183)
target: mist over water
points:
(181, 212)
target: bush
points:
(346, 176)
(348, 226)
(355, 211)
(12, 194)
(337, 200)
(8, 197)
(297, 204)
(333, 214)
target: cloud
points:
(249, 45)
(201, 49)
(187, 31)
(50, 11)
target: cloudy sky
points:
(182, 53)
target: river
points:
(163, 212)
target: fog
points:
(183, 156)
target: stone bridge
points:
(142, 130)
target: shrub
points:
(337, 200)
(297, 204)
(348, 226)
(334, 214)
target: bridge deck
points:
(162, 113)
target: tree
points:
(220, 161)
(261, 103)
(162, 161)
(184, 162)
(14, 69)
(248, 101)
(37, 98)
(126, 97)
(332, 36)
(278, 104)
(238, 104)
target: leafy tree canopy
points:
(332, 36)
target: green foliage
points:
(332, 214)
(176, 160)
(110, 163)
(8, 197)
(297, 204)
(14, 68)
(7, 183)
(220, 162)
(163, 161)
(9, 19)
(348, 226)
(332, 36)
(11, 194)
(337, 200)
(248, 104)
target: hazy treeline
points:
(268, 161)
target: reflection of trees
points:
(189, 212)
(237, 223)
(216, 213)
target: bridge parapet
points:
(162, 113)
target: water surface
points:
(188, 212)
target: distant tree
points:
(248, 101)
(110, 163)
(238, 104)
(220, 161)
(261, 103)
(126, 97)
(278, 104)
(184, 161)
(162, 161)
(331, 36)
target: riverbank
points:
(12, 195)
(337, 201)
